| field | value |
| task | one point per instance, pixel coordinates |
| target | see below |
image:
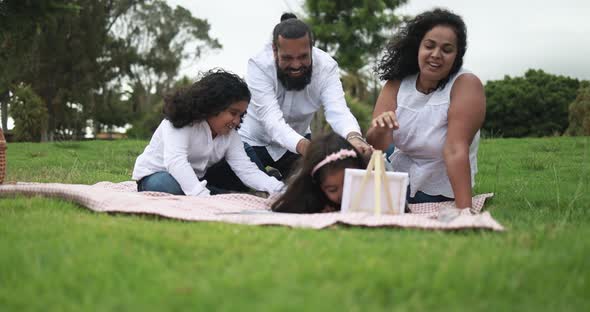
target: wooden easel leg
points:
(378, 178)
(357, 199)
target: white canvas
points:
(398, 186)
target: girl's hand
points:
(385, 121)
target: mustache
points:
(291, 69)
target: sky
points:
(504, 37)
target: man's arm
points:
(337, 113)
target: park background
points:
(69, 66)
(83, 69)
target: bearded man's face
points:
(294, 62)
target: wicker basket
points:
(2, 156)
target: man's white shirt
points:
(278, 119)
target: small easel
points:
(377, 167)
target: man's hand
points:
(356, 140)
(302, 146)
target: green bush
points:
(29, 114)
(579, 113)
(533, 105)
(146, 125)
(362, 112)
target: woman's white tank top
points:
(421, 136)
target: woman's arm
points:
(380, 135)
(466, 116)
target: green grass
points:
(56, 256)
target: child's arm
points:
(246, 170)
(176, 145)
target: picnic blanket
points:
(244, 208)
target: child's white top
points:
(186, 153)
(420, 139)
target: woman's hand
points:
(380, 135)
(385, 121)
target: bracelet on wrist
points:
(356, 136)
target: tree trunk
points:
(47, 135)
(4, 109)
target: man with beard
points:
(290, 80)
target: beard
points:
(294, 83)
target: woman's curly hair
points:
(401, 54)
(213, 93)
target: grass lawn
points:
(57, 256)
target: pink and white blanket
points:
(243, 208)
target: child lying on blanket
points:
(319, 178)
(199, 130)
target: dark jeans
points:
(260, 156)
(421, 197)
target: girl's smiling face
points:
(332, 185)
(228, 119)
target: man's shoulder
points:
(322, 58)
(264, 58)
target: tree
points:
(20, 23)
(29, 113)
(579, 112)
(63, 41)
(354, 32)
(160, 37)
(533, 105)
(83, 51)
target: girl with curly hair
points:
(199, 130)
(430, 108)
(317, 183)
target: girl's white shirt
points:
(186, 153)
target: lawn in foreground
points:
(59, 256)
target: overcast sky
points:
(505, 37)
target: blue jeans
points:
(164, 182)
(159, 182)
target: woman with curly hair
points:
(430, 108)
(198, 131)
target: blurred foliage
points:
(98, 60)
(144, 126)
(579, 112)
(534, 105)
(363, 113)
(29, 114)
(354, 32)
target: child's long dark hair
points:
(213, 93)
(304, 194)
